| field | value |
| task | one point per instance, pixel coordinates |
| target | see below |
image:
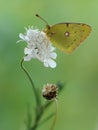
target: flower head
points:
(49, 91)
(39, 47)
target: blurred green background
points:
(78, 103)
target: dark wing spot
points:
(83, 30)
(75, 31)
(74, 40)
(83, 24)
(67, 24)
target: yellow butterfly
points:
(67, 36)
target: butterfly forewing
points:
(68, 36)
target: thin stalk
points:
(31, 81)
(38, 117)
(55, 118)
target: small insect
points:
(66, 36)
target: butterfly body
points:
(67, 36)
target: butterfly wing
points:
(68, 36)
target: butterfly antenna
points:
(42, 20)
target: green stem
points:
(38, 117)
(33, 87)
(54, 121)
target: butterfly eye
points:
(67, 34)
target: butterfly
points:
(67, 36)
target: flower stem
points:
(31, 81)
(36, 122)
(54, 121)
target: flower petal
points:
(22, 36)
(27, 51)
(53, 55)
(27, 58)
(46, 64)
(52, 63)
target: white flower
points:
(38, 46)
